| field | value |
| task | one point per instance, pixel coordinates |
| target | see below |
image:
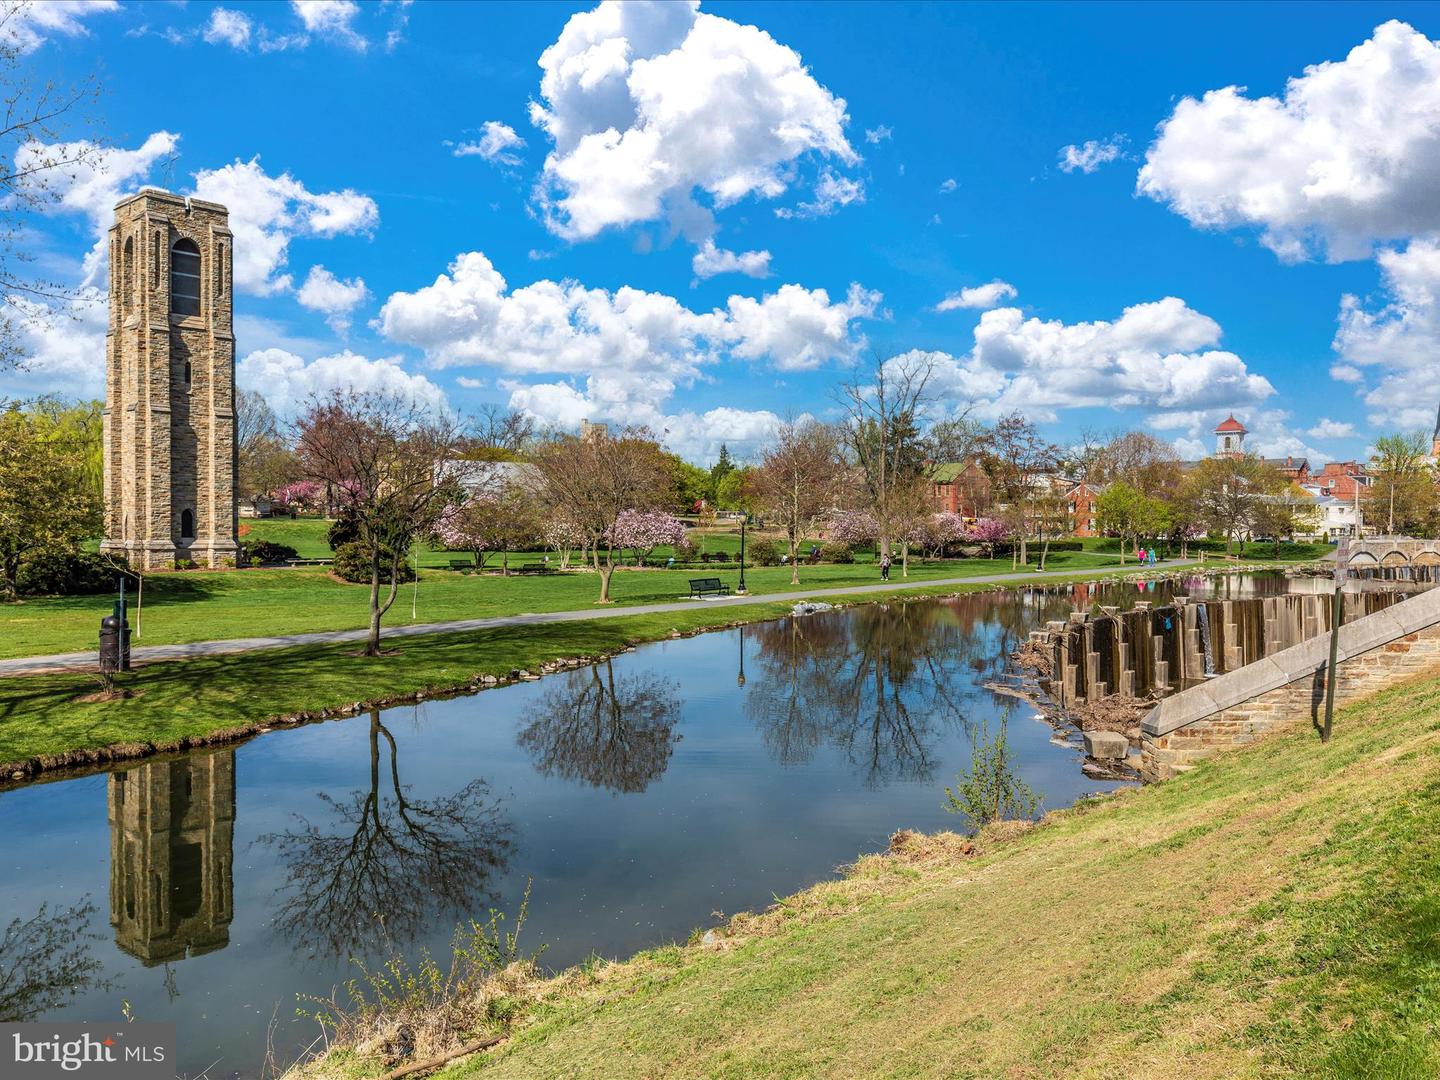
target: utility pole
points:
(1337, 611)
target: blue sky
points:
(703, 220)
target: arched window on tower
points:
(184, 277)
(187, 525)
(127, 275)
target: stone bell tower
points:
(170, 384)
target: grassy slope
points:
(207, 605)
(1273, 913)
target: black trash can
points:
(114, 643)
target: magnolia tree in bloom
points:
(854, 527)
(486, 523)
(645, 530)
(987, 531)
(300, 495)
(939, 531)
(562, 535)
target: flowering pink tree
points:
(854, 527)
(302, 495)
(987, 531)
(488, 522)
(562, 535)
(942, 530)
(645, 530)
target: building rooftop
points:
(1230, 424)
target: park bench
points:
(308, 562)
(461, 564)
(535, 568)
(700, 586)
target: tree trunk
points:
(794, 560)
(372, 643)
(904, 558)
(605, 572)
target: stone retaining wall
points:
(1288, 688)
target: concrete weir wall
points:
(1158, 650)
(1288, 687)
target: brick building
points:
(959, 487)
(1080, 503)
(170, 383)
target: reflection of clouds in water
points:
(392, 863)
(606, 731)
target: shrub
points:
(764, 553)
(67, 573)
(686, 551)
(720, 556)
(836, 552)
(344, 530)
(352, 564)
(260, 552)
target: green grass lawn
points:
(1273, 913)
(203, 605)
(195, 698)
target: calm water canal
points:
(695, 775)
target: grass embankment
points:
(1272, 913)
(227, 697)
(202, 605)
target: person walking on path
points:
(885, 567)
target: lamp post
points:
(740, 588)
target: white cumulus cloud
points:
(1160, 355)
(832, 191)
(1091, 154)
(1347, 157)
(30, 25)
(710, 260)
(1326, 428)
(228, 27)
(331, 19)
(567, 352)
(267, 212)
(878, 134)
(471, 316)
(1398, 339)
(287, 381)
(98, 179)
(978, 297)
(497, 143)
(63, 342)
(651, 106)
(334, 297)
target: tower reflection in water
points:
(172, 831)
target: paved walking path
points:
(147, 654)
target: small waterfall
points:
(1202, 616)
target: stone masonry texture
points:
(169, 421)
(1377, 652)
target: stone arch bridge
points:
(1382, 551)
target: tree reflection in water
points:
(45, 960)
(881, 682)
(395, 863)
(607, 731)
